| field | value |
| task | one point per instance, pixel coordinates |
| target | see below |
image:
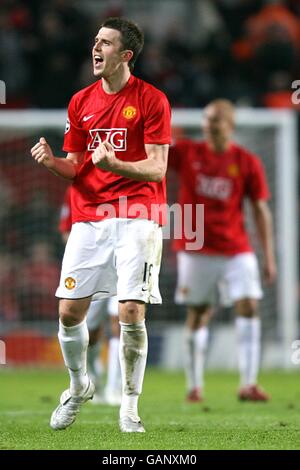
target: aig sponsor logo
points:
(214, 187)
(115, 136)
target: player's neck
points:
(219, 146)
(116, 82)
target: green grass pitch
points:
(220, 422)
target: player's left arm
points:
(264, 225)
(153, 168)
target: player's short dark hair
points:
(131, 36)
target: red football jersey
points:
(221, 182)
(65, 218)
(138, 114)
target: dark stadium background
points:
(245, 50)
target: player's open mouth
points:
(98, 59)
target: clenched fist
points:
(42, 153)
(104, 156)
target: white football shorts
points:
(200, 277)
(100, 310)
(112, 257)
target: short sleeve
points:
(157, 124)
(256, 181)
(75, 136)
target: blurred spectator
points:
(294, 6)
(273, 18)
(29, 222)
(279, 93)
(7, 204)
(271, 39)
(11, 57)
(9, 309)
(37, 283)
(53, 63)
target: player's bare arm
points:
(264, 225)
(153, 168)
(64, 167)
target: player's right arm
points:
(258, 192)
(64, 167)
(264, 225)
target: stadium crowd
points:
(244, 50)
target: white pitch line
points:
(13, 413)
(23, 413)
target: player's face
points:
(107, 52)
(217, 123)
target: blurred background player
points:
(220, 174)
(97, 316)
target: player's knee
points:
(132, 311)
(70, 314)
(69, 318)
(247, 308)
(198, 316)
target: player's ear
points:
(127, 55)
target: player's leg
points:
(94, 364)
(248, 325)
(113, 390)
(133, 356)
(81, 277)
(138, 257)
(248, 333)
(196, 287)
(96, 316)
(242, 277)
(73, 338)
(196, 342)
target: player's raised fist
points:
(104, 156)
(42, 153)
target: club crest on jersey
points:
(115, 136)
(70, 283)
(129, 112)
(233, 170)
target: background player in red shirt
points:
(97, 318)
(117, 138)
(220, 174)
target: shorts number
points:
(147, 272)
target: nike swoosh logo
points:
(144, 289)
(86, 118)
